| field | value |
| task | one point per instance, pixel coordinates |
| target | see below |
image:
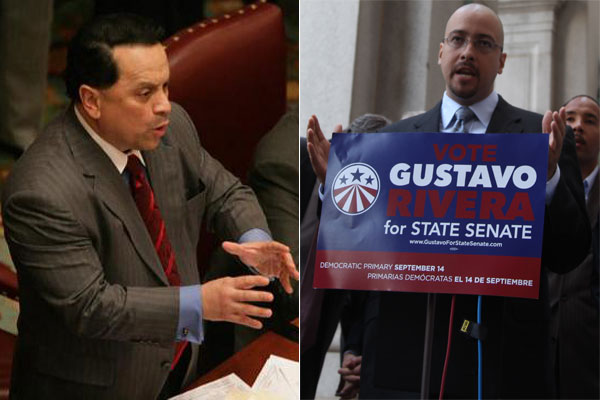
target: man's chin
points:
(463, 95)
(149, 145)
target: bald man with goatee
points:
(516, 349)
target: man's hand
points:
(554, 124)
(225, 299)
(269, 258)
(350, 375)
(318, 147)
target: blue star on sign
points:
(356, 175)
(343, 179)
(369, 180)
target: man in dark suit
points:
(574, 295)
(102, 216)
(516, 350)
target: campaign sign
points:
(434, 212)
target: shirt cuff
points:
(255, 235)
(190, 326)
(321, 192)
(351, 351)
(551, 185)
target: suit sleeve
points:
(231, 208)
(57, 260)
(566, 227)
(352, 322)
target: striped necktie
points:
(144, 200)
(462, 116)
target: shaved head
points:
(483, 11)
(470, 70)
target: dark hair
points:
(90, 60)
(581, 95)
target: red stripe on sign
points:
(363, 197)
(434, 273)
(353, 201)
(343, 200)
(369, 190)
(340, 190)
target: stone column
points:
(528, 40)
(576, 55)
(327, 55)
(396, 67)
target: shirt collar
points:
(589, 181)
(118, 158)
(483, 109)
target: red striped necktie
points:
(144, 200)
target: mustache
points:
(465, 64)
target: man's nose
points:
(162, 105)
(576, 125)
(468, 51)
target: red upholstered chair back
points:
(229, 75)
(8, 288)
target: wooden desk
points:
(248, 362)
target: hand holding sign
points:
(318, 147)
(554, 124)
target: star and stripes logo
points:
(355, 189)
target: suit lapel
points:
(429, 121)
(504, 119)
(109, 187)
(162, 165)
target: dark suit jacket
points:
(575, 321)
(98, 317)
(517, 348)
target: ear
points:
(90, 100)
(502, 61)
(440, 53)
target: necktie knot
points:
(134, 166)
(463, 113)
(462, 116)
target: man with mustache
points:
(102, 216)
(574, 295)
(516, 350)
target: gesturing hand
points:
(318, 147)
(269, 258)
(554, 124)
(225, 299)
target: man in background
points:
(574, 295)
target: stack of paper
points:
(279, 376)
(277, 380)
